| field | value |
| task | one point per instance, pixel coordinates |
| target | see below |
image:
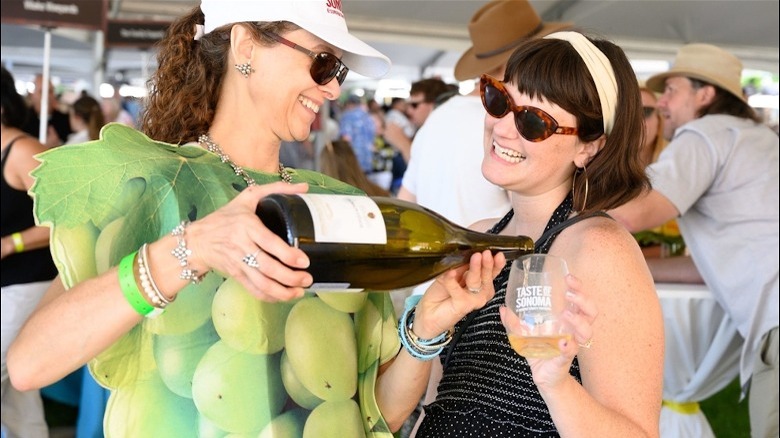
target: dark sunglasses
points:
(648, 111)
(532, 123)
(325, 67)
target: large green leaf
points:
(86, 182)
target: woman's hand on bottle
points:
(456, 293)
(581, 312)
(227, 240)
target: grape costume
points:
(218, 361)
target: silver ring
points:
(251, 260)
(475, 290)
(587, 343)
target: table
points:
(701, 358)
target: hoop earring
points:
(245, 69)
(579, 170)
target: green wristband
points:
(130, 287)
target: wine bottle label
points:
(334, 287)
(346, 219)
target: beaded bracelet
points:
(181, 252)
(130, 288)
(18, 242)
(422, 349)
(157, 298)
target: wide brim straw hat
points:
(496, 30)
(322, 18)
(707, 63)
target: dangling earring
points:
(245, 68)
(579, 170)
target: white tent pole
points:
(43, 126)
(98, 62)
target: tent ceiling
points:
(425, 37)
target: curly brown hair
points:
(552, 69)
(185, 89)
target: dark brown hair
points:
(431, 88)
(552, 69)
(88, 109)
(725, 103)
(184, 91)
(338, 160)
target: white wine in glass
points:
(535, 300)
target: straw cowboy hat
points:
(496, 30)
(707, 63)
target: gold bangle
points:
(18, 242)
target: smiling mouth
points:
(308, 103)
(508, 154)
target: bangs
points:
(551, 70)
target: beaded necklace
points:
(212, 147)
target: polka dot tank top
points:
(487, 389)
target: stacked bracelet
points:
(18, 242)
(181, 252)
(130, 288)
(150, 288)
(422, 349)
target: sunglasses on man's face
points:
(325, 66)
(648, 111)
(532, 123)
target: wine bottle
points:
(376, 243)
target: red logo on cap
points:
(335, 4)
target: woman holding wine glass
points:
(561, 134)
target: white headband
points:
(600, 70)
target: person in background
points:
(664, 241)
(177, 295)
(396, 114)
(654, 141)
(726, 206)
(422, 98)
(382, 174)
(86, 119)
(114, 111)
(27, 266)
(559, 136)
(59, 122)
(357, 127)
(338, 161)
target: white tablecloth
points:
(701, 358)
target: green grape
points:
(238, 392)
(367, 329)
(335, 419)
(348, 302)
(104, 258)
(246, 323)
(368, 407)
(148, 409)
(191, 309)
(123, 363)
(286, 425)
(207, 429)
(295, 389)
(73, 251)
(178, 355)
(320, 344)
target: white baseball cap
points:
(322, 18)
